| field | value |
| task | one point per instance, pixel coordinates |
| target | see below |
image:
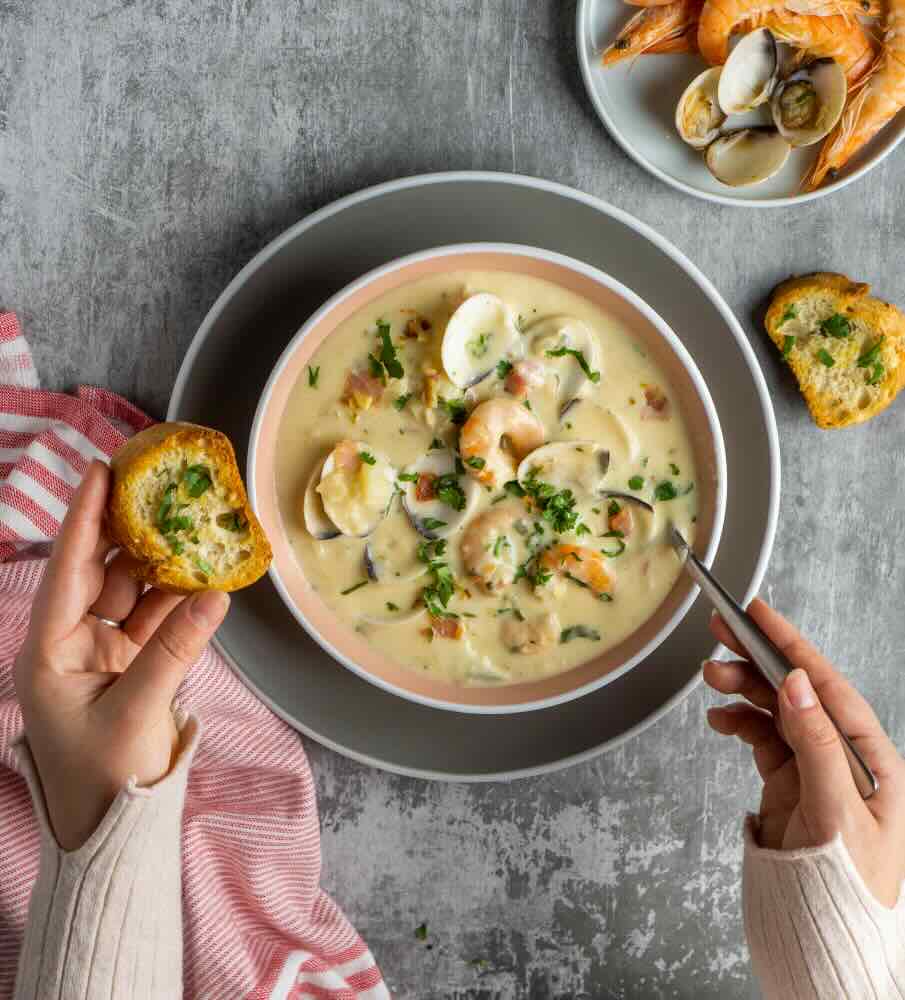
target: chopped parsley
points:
(455, 410)
(514, 488)
(673, 468)
(353, 588)
(579, 632)
(377, 369)
(475, 462)
(233, 521)
(421, 932)
(435, 444)
(514, 611)
(788, 342)
(617, 537)
(408, 477)
(480, 345)
(450, 492)
(562, 351)
(166, 504)
(665, 491)
(387, 356)
(503, 368)
(557, 508)
(204, 566)
(582, 529)
(527, 404)
(533, 572)
(836, 326)
(197, 479)
(437, 595)
(391, 606)
(636, 483)
(825, 357)
(790, 313)
(367, 458)
(313, 374)
(502, 542)
(400, 401)
(872, 355)
(877, 374)
(614, 508)
(432, 523)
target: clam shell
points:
(423, 513)
(346, 517)
(316, 521)
(579, 466)
(479, 334)
(800, 122)
(563, 331)
(747, 156)
(750, 73)
(699, 116)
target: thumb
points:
(155, 674)
(828, 792)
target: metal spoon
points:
(774, 666)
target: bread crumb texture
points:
(845, 347)
(179, 507)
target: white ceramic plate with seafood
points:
(636, 100)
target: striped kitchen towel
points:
(257, 925)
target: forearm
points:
(105, 921)
(814, 930)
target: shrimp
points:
(652, 26)
(579, 563)
(520, 636)
(481, 440)
(525, 376)
(881, 98)
(835, 37)
(488, 547)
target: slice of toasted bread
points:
(846, 348)
(178, 507)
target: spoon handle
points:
(764, 654)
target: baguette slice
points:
(179, 508)
(844, 376)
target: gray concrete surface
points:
(148, 149)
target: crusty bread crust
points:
(845, 397)
(131, 528)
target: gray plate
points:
(239, 341)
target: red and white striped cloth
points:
(257, 924)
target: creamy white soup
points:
(476, 472)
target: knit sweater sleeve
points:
(815, 932)
(105, 920)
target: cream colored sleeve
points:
(814, 930)
(105, 921)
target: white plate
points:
(636, 100)
(247, 329)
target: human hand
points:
(809, 794)
(96, 700)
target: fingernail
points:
(208, 608)
(799, 691)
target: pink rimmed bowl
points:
(348, 647)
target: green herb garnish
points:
(408, 477)
(836, 326)
(205, 567)
(613, 508)
(636, 483)
(514, 488)
(400, 401)
(455, 410)
(618, 537)
(480, 345)
(579, 632)
(877, 374)
(872, 355)
(502, 542)
(367, 458)
(790, 313)
(435, 444)
(421, 932)
(432, 523)
(673, 468)
(391, 606)
(665, 491)
(557, 507)
(788, 342)
(388, 357)
(450, 492)
(163, 511)
(313, 374)
(353, 588)
(197, 479)
(562, 351)
(475, 462)
(233, 521)
(503, 368)
(825, 357)
(376, 368)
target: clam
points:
(747, 156)
(807, 105)
(356, 488)
(699, 116)
(579, 466)
(479, 334)
(391, 552)
(750, 73)
(558, 341)
(316, 521)
(436, 517)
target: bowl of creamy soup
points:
(467, 462)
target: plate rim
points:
(582, 17)
(675, 255)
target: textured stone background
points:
(148, 149)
